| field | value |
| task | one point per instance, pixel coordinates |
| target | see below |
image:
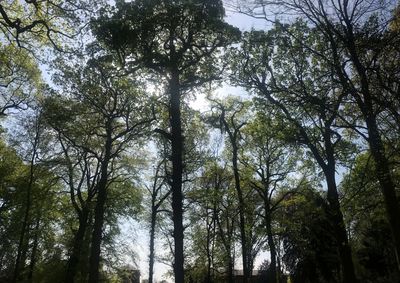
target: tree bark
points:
(22, 246)
(74, 258)
(97, 236)
(151, 254)
(335, 213)
(242, 224)
(386, 182)
(365, 102)
(209, 247)
(94, 260)
(340, 231)
(177, 170)
(271, 243)
(227, 243)
(230, 270)
(328, 167)
(278, 265)
(32, 263)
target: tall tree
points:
(22, 249)
(112, 114)
(221, 180)
(158, 196)
(275, 66)
(10, 199)
(307, 236)
(178, 41)
(24, 202)
(270, 161)
(364, 212)
(349, 28)
(213, 212)
(230, 117)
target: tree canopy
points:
(118, 123)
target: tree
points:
(308, 235)
(21, 251)
(111, 115)
(348, 28)
(19, 79)
(158, 196)
(32, 23)
(29, 203)
(9, 199)
(270, 161)
(25, 27)
(230, 118)
(178, 41)
(214, 214)
(364, 212)
(275, 66)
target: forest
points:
(225, 145)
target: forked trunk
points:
(74, 258)
(97, 236)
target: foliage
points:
(19, 79)
(303, 163)
(308, 239)
(365, 215)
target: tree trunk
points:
(340, 232)
(209, 247)
(271, 243)
(230, 270)
(242, 224)
(386, 182)
(152, 234)
(278, 265)
(22, 247)
(97, 236)
(212, 249)
(226, 241)
(365, 103)
(328, 168)
(209, 261)
(177, 170)
(94, 260)
(34, 250)
(335, 213)
(74, 258)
